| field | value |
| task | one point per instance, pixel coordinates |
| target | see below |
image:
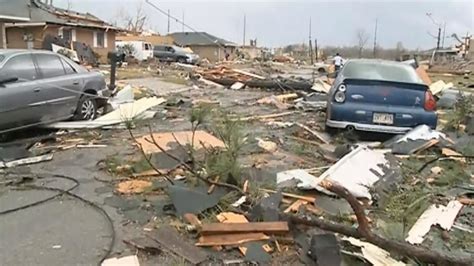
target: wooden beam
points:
(263, 227)
(289, 195)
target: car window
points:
(67, 67)
(380, 71)
(21, 67)
(50, 65)
(2, 57)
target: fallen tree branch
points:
(207, 180)
(165, 175)
(363, 232)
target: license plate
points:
(382, 118)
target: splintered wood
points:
(167, 141)
(230, 238)
(265, 227)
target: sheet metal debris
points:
(374, 254)
(30, 160)
(444, 216)
(125, 112)
(357, 171)
(193, 199)
(303, 179)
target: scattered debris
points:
(441, 215)
(254, 227)
(133, 186)
(303, 179)
(193, 200)
(173, 242)
(167, 140)
(123, 261)
(325, 250)
(321, 86)
(237, 86)
(268, 146)
(454, 155)
(439, 86)
(125, 113)
(30, 160)
(325, 138)
(145, 244)
(357, 171)
(374, 254)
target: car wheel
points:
(182, 60)
(86, 109)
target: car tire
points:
(86, 108)
(182, 60)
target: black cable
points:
(92, 204)
(442, 157)
(68, 192)
(76, 184)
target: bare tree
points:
(362, 39)
(133, 22)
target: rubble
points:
(356, 171)
(282, 178)
(443, 216)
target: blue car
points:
(379, 96)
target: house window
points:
(100, 39)
(67, 34)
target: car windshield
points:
(381, 71)
(180, 50)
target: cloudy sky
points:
(276, 23)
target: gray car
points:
(39, 87)
(172, 53)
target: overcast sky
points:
(276, 23)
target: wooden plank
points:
(456, 156)
(260, 117)
(295, 206)
(229, 239)
(318, 135)
(289, 195)
(171, 240)
(263, 227)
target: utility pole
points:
(444, 34)
(375, 38)
(310, 44)
(245, 25)
(316, 49)
(439, 38)
(182, 23)
(168, 21)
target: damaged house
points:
(10, 11)
(44, 23)
(205, 45)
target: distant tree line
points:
(300, 51)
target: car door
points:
(59, 86)
(17, 98)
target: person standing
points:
(338, 62)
